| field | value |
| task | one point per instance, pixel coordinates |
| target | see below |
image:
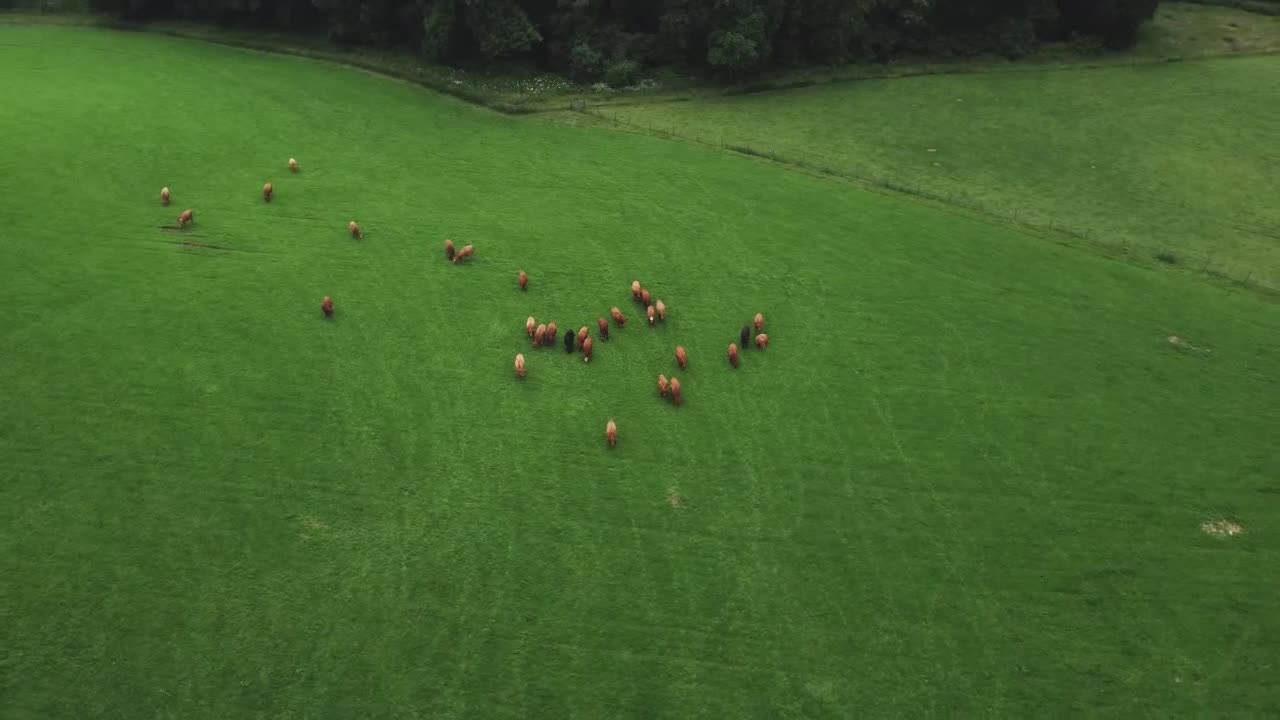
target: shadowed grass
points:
(967, 477)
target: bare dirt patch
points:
(1221, 528)
(311, 527)
(1184, 344)
(674, 498)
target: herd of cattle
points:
(655, 310)
(545, 333)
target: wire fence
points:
(1237, 272)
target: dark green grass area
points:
(968, 476)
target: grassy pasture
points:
(1176, 159)
(967, 478)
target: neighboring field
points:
(968, 478)
(1177, 159)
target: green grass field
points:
(1178, 159)
(968, 477)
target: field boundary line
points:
(1137, 255)
(956, 69)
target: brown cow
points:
(293, 165)
(675, 391)
(540, 336)
(164, 196)
(762, 341)
(355, 230)
(266, 192)
(662, 385)
(759, 322)
(524, 281)
(635, 289)
(611, 433)
(649, 311)
(529, 325)
(617, 316)
(662, 310)
(551, 333)
(465, 253)
(733, 354)
(582, 335)
(449, 250)
(519, 365)
(326, 306)
(645, 296)
(186, 217)
(603, 326)
(586, 350)
(681, 357)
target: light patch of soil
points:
(1182, 343)
(1221, 528)
(311, 526)
(674, 498)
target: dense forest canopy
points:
(616, 39)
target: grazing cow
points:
(733, 354)
(759, 322)
(540, 336)
(186, 217)
(662, 385)
(551, 333)
(326, 306)
(464, 254)
(762, 341)
(164, 196)
(266, 192)
(649, 311)
(675, 391)
(681, 357)
(645, 297)
(662, 310)
(519, 365)
(449, 251)
(582, 335)
(604, 328)
(529, 325)
(568, 341)
(293, 165)
(635, 289)
(611, 433)
(617, 316)
(524, 281)
(746, 336)
(586, 350)
(355, 230)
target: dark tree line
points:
(615, 39)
